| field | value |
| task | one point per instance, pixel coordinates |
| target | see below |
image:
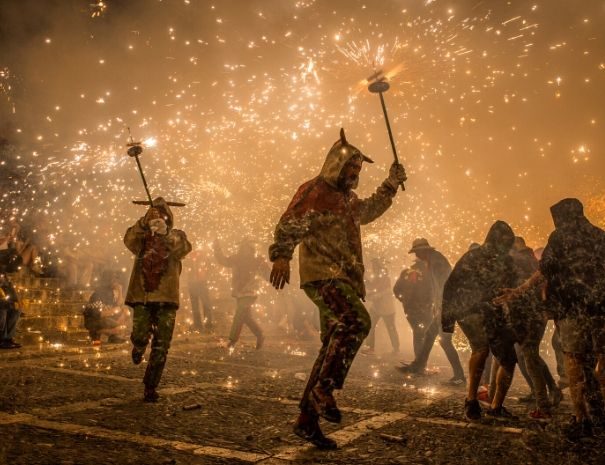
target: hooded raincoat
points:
(573, 261)
(326, 222)
(479, 276)
(163, 265)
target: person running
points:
(153, 291)
(246, 267)
(324, 217)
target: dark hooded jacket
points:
(478, 276)
(528, 311)
(157, 265)
(326, 222)
(573, 262)
(438, 270)
(414, 289)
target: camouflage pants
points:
(345, 323)
(156, 323)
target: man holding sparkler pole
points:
(153, 291)
(324, 217)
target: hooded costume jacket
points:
(326, 222)
(573, 261)
(157, 266)
(478, 277)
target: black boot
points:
(150, 394)
(307, 428)
(137, 355)
(324, 403)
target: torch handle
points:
(144, 181)
(386, 120)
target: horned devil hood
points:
(326, 222)
(338, 156)
(165, 268)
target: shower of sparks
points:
(237, 106)
(98, 8)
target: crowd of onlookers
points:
(501, 293)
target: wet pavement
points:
(83, 405)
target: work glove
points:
(396, 175)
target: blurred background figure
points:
(380, 299)
(413, 290)
(199, 295)
(246, 267)
(105, 314)
(9, 312)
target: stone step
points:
(79, 295)
(28, 281)
(35, 309)
(37, 294)
(51, 323)
(72, 337)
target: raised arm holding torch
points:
(379, 85)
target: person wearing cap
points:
(324, 217)
(246, 266)
(153, 291)
(438, 269)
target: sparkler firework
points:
(244, 101)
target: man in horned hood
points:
(324, 217)
(153, 292)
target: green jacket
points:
(326, 223)
(175, 245)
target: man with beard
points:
(324, 217)
(153, 292)
(467, 299)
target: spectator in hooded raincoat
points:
(475, 281)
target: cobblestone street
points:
(84, 406)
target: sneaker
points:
(472, 409)
(325, 404)
(540, 414)
(137, 355)
(556, 396)
(576, 430)
(410, 369)
(455, 382)
(500, 413)
(307, 428)
(150, 395)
